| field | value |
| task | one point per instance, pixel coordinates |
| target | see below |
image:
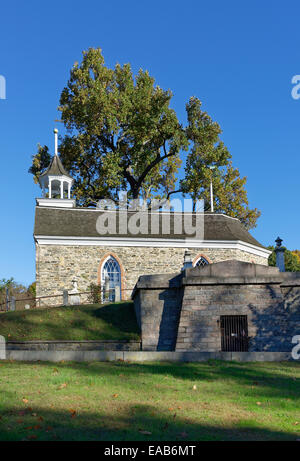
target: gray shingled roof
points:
(55, 168)
(80, 222)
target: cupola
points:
(57, 181)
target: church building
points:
(69, 246)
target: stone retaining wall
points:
(269, 299)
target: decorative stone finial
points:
(187, 261)
(280, 250)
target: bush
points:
(95, 296)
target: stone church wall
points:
(57, 265)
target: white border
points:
(152, 242)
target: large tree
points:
(122, 135)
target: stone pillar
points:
(187, 262)
(280, 250)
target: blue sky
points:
(237, 57)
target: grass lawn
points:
(124, 401)
(114, 321)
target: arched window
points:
(111, 270)
(201, 262)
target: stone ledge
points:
(145, 356)
(65, 345)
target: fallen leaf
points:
(115, 396)
(258, 403)
(25, 400)
(62, 386)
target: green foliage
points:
(40, 162)
(230, 196)
(291, 259)
(123, 136)
(95, 296)
(17, 290)
(32, 289)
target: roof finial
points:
(55, 141)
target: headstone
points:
(65, 298)
(2, 348)
(74, 296)
(12, 303)
(117, 294)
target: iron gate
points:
(234, 333)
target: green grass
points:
(171, 402)
(114, 321)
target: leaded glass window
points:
(201, 262)
(111, 269)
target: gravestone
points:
(65, 298)
(117, 294)
(12, 303)
(2, 348)
(74, 296)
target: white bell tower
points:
(58, 182)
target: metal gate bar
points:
(234, 333)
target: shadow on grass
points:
(90, 322)
(267, 381)
(120, 315)
(128, 425)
